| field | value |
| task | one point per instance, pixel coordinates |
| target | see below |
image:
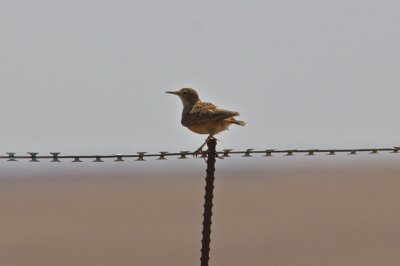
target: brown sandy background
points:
(307, 216)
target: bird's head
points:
(188, 96)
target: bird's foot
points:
(198, 152)
(204, 154)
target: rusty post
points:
(208, 203)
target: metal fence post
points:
(208, 203)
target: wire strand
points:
(140, 156)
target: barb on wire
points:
(141, 156)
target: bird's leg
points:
(200, 149)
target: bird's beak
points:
(173, 92)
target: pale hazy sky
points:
(89, 76)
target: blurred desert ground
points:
(145, 213)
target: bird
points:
(204, 117)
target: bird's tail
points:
(237, 122)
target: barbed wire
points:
(140, 156)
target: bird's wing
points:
(206, 112)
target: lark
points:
(203, 117)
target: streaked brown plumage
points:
(203, 117)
